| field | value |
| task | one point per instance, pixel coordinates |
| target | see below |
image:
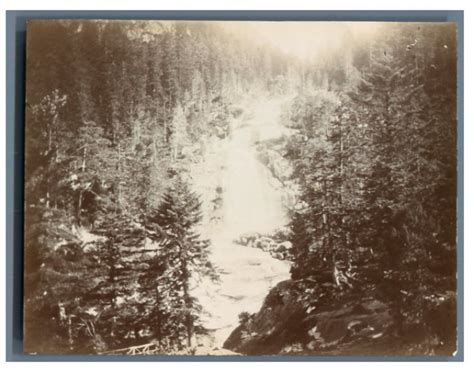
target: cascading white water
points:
(250, 204)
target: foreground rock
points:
(337, 324)
(285, 326)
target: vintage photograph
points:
(240, 188)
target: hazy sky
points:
(303, 39)
(300, 39)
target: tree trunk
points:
(79, 207)
(83, 166)
(119, 186)
(188, 320)
(69, 332)
(187, 298)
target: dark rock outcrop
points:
(315, 317)
(285, 325)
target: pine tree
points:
(119, 264)
(396, 105)
(182, 259)
(59, 273)
(316, 239)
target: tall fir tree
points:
(181, 261)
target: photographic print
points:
(240, 188)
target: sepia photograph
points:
(245, 188)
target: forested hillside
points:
(375, 226)
(110, 108)
(122, 117)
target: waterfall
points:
(251, 204)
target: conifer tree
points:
(182, 259)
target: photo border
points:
(15, 114)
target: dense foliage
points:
(376, 163)
(117, 112)
(114, 111)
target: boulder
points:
(342, 325)
(284, 246)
